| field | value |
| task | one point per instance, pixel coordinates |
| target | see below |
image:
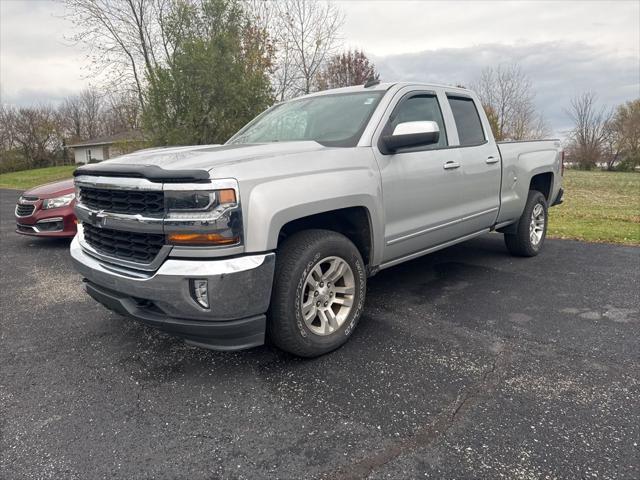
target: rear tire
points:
(531, 229)
(318, 293)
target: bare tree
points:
(36, 134)
(70, 113)
(588, 139)
(7, 128)
(508, 93)
(613, 143)
(622, 136)
(92, 107)
(122, 113)
(305, 35)
(265, 16)
(538, 128)
(125, 38)
(82, 116)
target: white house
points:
(104, 148)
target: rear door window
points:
(468, 122)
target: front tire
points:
(318, 293)
(531, 229)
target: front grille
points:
(135, 247)
(122, 201)
(24, 210)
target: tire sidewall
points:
(345, 250)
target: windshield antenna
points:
(372, 82)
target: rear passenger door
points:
(479, 162)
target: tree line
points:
(602, 137)
(195, 71)
(36, 136)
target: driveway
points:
(467, 363)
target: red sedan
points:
(47, 210)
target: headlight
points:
(203, 217)
(58, 202)
(190, 201)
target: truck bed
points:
(521, 160)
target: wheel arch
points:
(353, 222)
(323, 200)
(543, 183)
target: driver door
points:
(422, 187)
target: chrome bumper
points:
(239, 290)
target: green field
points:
(598, 207)
(32, 178)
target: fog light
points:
(200, 292)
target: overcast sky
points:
(566, 47)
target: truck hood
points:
(51, 190)
(208, 157)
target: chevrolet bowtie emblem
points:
(97, 218)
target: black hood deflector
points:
(153, 173)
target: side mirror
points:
(411, 134)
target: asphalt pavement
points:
(467, 363)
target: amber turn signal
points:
(226, 196)
(201, 239)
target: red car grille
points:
(25, 210)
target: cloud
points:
(38, 62)
(386, 28)
(558, 70)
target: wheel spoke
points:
(316, 273)
(344, 290)
(333, 266)
(324, 322)
(331, 319)
(537, 210)
(308, 303)
(309, 312)
(345, 301)
(338, 272)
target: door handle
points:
(492, 159)
(450, 165)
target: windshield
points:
(334, 120)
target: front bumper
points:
(239, 293)
(55, 222)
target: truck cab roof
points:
(383, 86)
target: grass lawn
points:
(598, 207)
(32, 178)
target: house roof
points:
(131, 136)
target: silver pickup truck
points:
(273, 234)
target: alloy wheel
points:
(328, 295)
